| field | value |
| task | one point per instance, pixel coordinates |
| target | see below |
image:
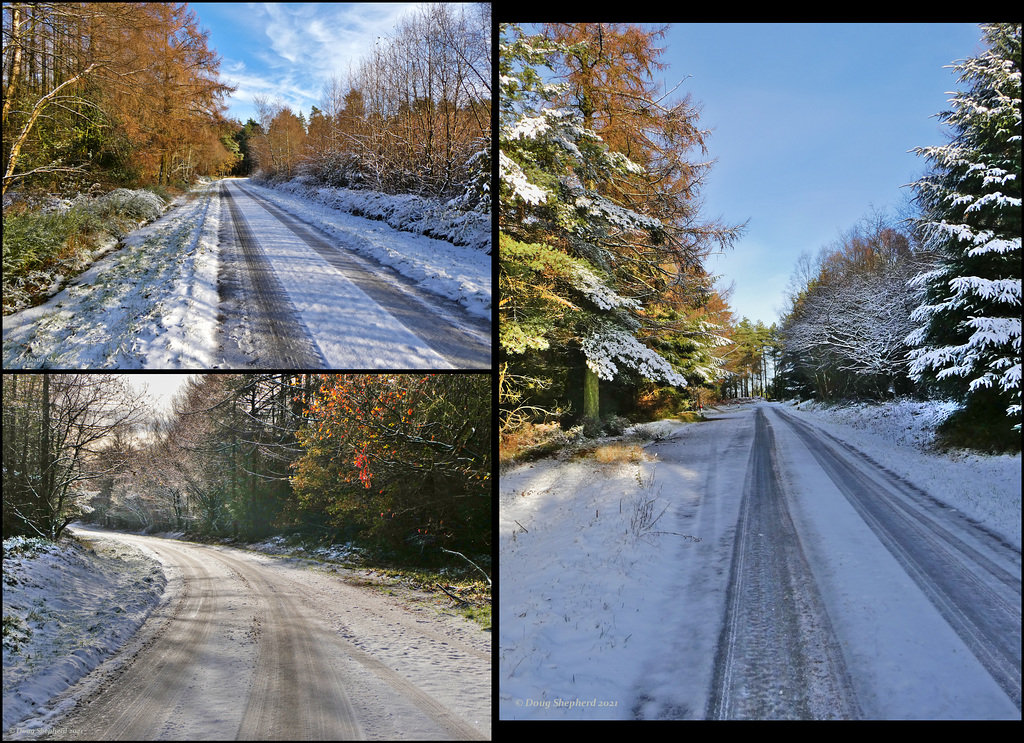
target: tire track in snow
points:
(673, 686)
(967, 577)
(280, 705)
(412, 307)
(138, 701)
(238, 653)
(304, 651)
(272, 318)
(777, 655)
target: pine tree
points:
(559, 279)
(968, 344)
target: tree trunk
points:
(14, 78)
(41, 104)
(44, 495)
(591, 402)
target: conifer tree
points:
(968, 343)
(559, 278)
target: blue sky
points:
(285, 51)
(812, 124)
(811, 127)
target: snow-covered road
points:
(238, 276)
(354, 313)
(822, 585)
(970, 577)
(244, 646)
(778, 655)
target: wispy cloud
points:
(290, 49)
(326, 39)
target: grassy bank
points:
(48, 241)
(532, 441)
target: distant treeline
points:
(397, 460)
(412, 117)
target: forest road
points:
(292, 296)
(825, 586)
(248, 647)
(969, 576)
(275, 333)
(778, 656)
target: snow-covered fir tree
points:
(968, 342)
(548, 165)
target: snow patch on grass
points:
(576, 561)
(63, 236)
(899, 434)
(656, 430)
(67, 606)
(295, 548)
(151, 304)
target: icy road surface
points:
(308, 300)
(247, 647)
(811, 583)
(237, 276)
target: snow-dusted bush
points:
(136, 205)
(430, 217)
(27, 546)
(335, 169)
(42, 248)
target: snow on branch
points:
(607, 345)
(512, 175)
(599, 292)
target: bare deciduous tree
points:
(57, 428)
(414, 114)
(850, 311)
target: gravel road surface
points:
(250, 647)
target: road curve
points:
(246, 648)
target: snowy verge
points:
(408, 213)
(280, 546)
(898, 434)
(579, 587)
(67, 606)
(121, 211)
(151, 304)
(457, 272)
(345, 560)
